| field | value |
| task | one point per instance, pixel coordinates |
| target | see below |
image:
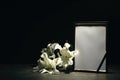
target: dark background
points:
(27, 27)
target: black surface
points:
(29, 26)
(24, 72)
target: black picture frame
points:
(94, 23)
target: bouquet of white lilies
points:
(54, 57)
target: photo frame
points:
(90, 40)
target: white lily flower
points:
(48, 65)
